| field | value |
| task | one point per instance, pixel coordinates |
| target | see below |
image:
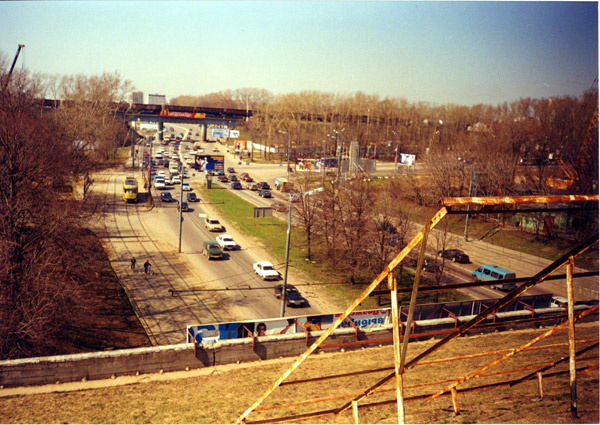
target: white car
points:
(266, 270)
(186, 186)
(162, 173)
(226, 242)
(175, 180)
(159, 183)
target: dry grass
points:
(222, 397)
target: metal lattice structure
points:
(503, 204)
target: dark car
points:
(264, 193)
(233, 178)
(231, 170)
(236, 185)
(184, 206)
(292, 296)
(263, 185)
(166, 197)
(191, 197)
(223, 179)
(455, 255)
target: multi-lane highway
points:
(188, 289)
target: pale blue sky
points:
(440, 52)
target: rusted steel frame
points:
(517, 350)
(559, 361)
(500, 200)
(389, 268)
(429, 362)
(571, 315)
(581, 247)
(406, 399)
(193, 342)
(527, 307)
(392, 284)
(485, 210)
(475, 284)
(413, 296)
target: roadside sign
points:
(234, 134)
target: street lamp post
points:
(288, 152)
(287, 257)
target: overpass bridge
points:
(204, 117)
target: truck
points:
(266, 270)
(212, 224)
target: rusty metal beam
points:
(512, 353)
(388, 270)
(501, 200)
(571, 322)
(580, 248)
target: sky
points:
(463, 53)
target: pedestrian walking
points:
(132, 264)
(147, 267)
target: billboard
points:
(219, 132)
(209, 163)
(211, 333)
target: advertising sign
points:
(209, 163)
(166, 113)
(234, 134)
(211, 333)
(220, 132)
(407, 159)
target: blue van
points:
(489, 272)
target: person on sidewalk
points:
(133, 264)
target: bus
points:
(130, 189)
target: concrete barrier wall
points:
(170, 358)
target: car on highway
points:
(455, 255)
(186, 187)
(211, 250)
(263, 185)
(191, 197)
(223, 179)
(265, 270)
(293, 298)
(246, 177)
(264, 193)
(492, 272)
(232, 177)
(252, 186)
(184, 206)
(230, 170)
(212, 224)
(175, 179)
(279, 207)
(236, 186)
(226, 242)
(159, 183)
(166, 197)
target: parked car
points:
(279, 207)
(226, 242)
(166, 197)
(455, 255)
(211, 250)
(292, 296)
(175, 180)
(236, 185)
(191, 197)
(264, 193)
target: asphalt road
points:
(188, 289)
